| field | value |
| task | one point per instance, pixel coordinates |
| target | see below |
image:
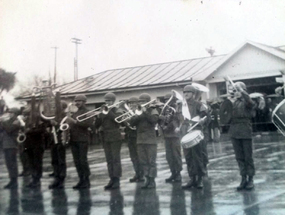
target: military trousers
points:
(11, 162)
(36, 153)
(112, 151)
(133, 149)
(173, 153)
(79, 152)
(147, 157)
(194, 160)
(59, 160)
(244, 156)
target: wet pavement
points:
(219, 195)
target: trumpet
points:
(151, 103)
(96, 112)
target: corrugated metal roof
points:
(157, 74)
(143, 76)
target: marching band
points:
(184, 121)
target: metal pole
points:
(54, 77)
(76, 41)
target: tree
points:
(7, 80)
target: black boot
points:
(60, 184)
(199, 183)
(109, 185)
(178, 177)
(85, 183)
(12, 184)
(146, 183)
(116, 183)
(134, 179)
(249, 185)
(243, 183)
(35, 183)
(51, 174)
(190, 183)
(151, 184)
(54, 184)
(78, 184)
(171, 178)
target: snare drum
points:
(192, 139)
(278, 117)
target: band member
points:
(131, 133)
(10, 129)
(170, 121)
(58, 153)
(193, 155)
(112, 140)
(241, 135)
(34, 144)
(79, 142)
(146, 139)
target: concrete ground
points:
(219, 195)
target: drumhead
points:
(192, 139)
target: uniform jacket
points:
(196, 108)
(240, 127)
(10, 130)
(110, 128)
(169, 123)
(79, 131)
(145, 124)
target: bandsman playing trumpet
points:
(170, 120)
(10, 127)
(79, 142)
(145, 121)
(112, 139)
(131, 132)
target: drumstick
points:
(232, 83)
(196, 124)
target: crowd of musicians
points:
(176, 117)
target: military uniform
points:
(10, 131)
(241, 135)
(194, 155)
(112, 142)
(170, 121)
(146, 141)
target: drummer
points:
(193, 155)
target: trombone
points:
(96, 112)
(139, 110)
(125, 116)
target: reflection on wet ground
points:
(218, 196)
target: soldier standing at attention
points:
(79, 142)
(145, 122)
(241, 135)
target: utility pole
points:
(76, 41)
(54, 76)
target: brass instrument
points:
(125, 116)
(151, 103)
(63, 125)
(21, 135)
(96, 112)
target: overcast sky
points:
(125, 33)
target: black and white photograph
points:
(142, 107)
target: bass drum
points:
(226, 112)
(278, 117)
(192, 139)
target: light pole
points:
(76, 41)
(54, 76)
